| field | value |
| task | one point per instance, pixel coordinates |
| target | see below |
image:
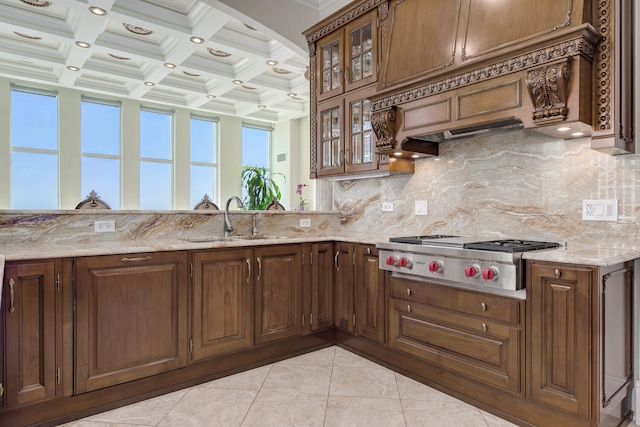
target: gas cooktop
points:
(496, 245)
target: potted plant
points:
(302, 200)
(259, 186)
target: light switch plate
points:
(387, 207)
(305, 223)
(600, 210)
(421, 207)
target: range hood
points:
(476, 81)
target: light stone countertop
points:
(600, 256)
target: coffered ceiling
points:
(144, 50)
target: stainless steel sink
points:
(213, 239)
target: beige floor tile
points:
(420, 413)
(351, 411)
(204, 407)
(83, 423)
(322, 357)
(493, 421)
(363, 382)
(286, 409)
(346, 358)
(414, 390)
(298, 379)
(147, 412)
(250, 380)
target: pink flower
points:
(300, 187)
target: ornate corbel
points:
(548, 91)
(383, 123)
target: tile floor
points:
(328, 387)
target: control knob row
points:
(399, 262)
(473, 270)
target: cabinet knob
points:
(484, 327)
(484, 306)
(557, 273)
(408, 291)
(409, 308)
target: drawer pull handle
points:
(335, 260)
(248, 270)
(557, 273)
(139, 259)
(259, 259)
(484, 306)
(11, 296)
(409, 308)
(408, 291)
(484, 327)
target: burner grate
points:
(510, 245)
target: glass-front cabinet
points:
(347, 58)
(346, 141)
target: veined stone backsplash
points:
(515, 185)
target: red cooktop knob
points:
(404, 262)
(471, 270)
(490, 273)
(391, 260)
(435, 266)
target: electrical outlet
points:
(305, 223)
(387, 207)
(600, 210)
(104, 226)
(421, 207)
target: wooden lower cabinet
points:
(131, 319)
(473, 334)
(343, 307)
(278, 292)
(321, 286)
(222, 302)
(33, 319)
(369, 294)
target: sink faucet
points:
(228, 227)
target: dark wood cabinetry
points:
(222, 302)
(473, 334)
(131, 319)
(359, 291)
(320, 268)
(278, 292)
(33, 311)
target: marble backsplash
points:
(519, 184)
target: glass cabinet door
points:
(330, 138)
(361, 60)
(361, 138)
(330, 66)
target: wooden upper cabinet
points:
(347, 58)
(222, 302)
(30, 317)
(131, 317)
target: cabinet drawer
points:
(491, 307)
(488, 352)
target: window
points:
(204, 159)
(100, 140)
(34, 149)
(156, 159)
(256, 148)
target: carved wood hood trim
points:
(584, 44)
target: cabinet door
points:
(369, 294)
(322, 285)
(343, 293)
(561, 335)
(222, 302)
(330, 138)
(278, 297)
(30, 316)
(360, 141)
(131, 317)
(361, 51)
(329, 65)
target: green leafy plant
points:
(260, 187)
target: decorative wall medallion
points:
(122, 58)
(548, 91)
(27, 36)
(137, 30)
(37, 3)
(280, 70)
(219, 53)
(383, 123)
